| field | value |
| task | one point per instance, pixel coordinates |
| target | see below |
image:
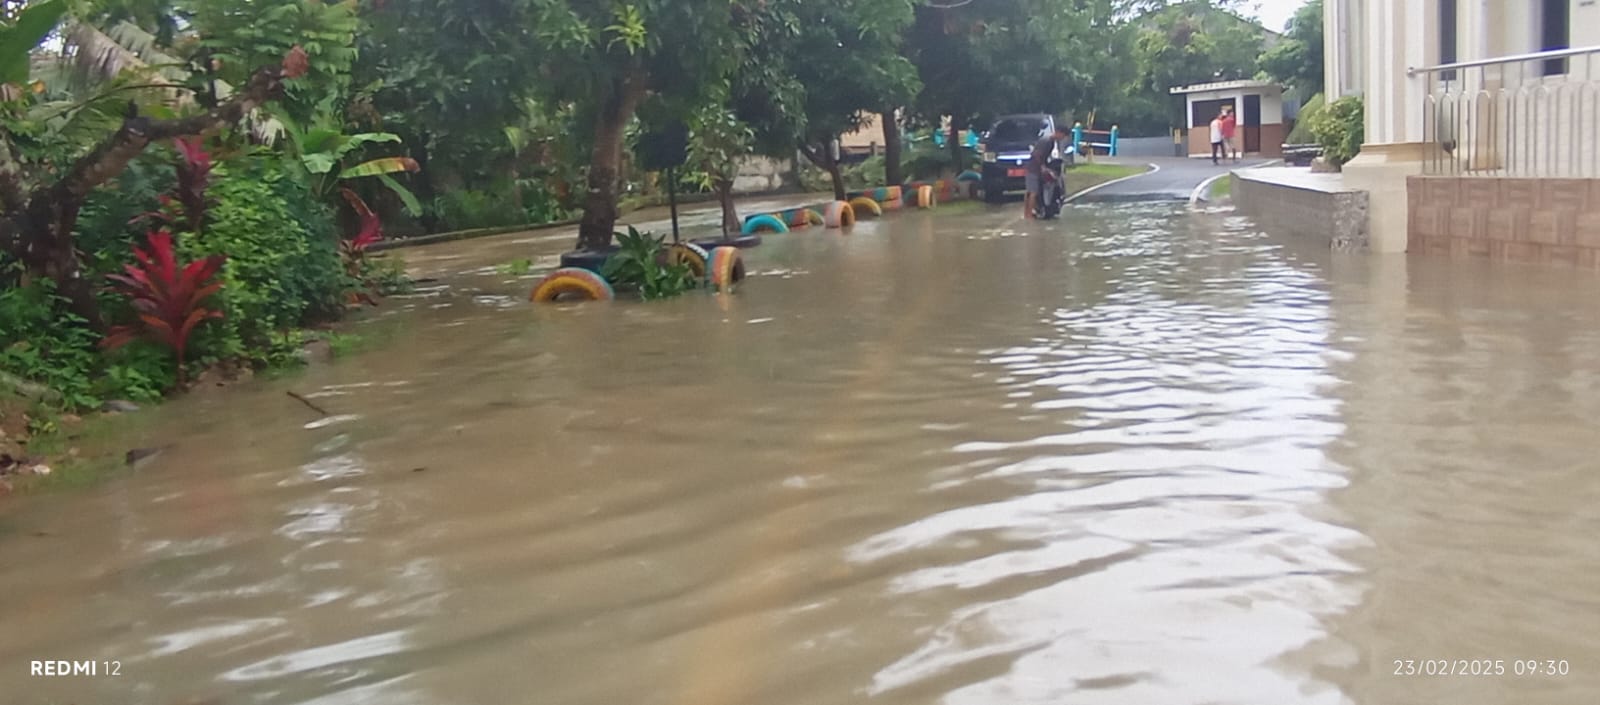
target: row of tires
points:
(843, 214)
(722, 268)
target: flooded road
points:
(1139, 455)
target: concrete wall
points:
(762, 174)
(1302, 207)
(1552, 221)
(1145, 147)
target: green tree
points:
(847, 55)
(1178, 44)
(607, 57)
(1297, 61)
(980, 59)
(450, 78)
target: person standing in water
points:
(1038, 161)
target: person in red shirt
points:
(1230, 127)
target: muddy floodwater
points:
(1141, 455)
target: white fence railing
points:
(1533, 115)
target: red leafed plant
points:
(194, 177)
(169, 299)
(185, 207)
(354, 250)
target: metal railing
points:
(1530, 115)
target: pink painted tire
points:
(839, 214)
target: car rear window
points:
(1017, 130)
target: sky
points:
(1273, 14)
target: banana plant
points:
(18, 40)
(324, 151)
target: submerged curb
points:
(1153, 169)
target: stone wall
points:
(762, 174)
(1295, 202)
(1553, 221)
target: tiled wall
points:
(1337, 218)
(1554, 221)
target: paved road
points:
(1176, 180)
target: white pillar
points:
(1397, 35)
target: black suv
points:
(1006, 148)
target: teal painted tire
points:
(763, 222)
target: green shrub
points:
(105, 232)
(638, 265)
(41, 341)
(283, 267)
(1339, 129)
(468, 209)
(1301, 134)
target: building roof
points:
(1223, 86)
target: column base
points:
(1381, 171)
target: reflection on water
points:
(1137, 455)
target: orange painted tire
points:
(572, 283)
(688, 253)
(924, 197)
(864, 206)
(839, 214)
(727, 268)
(893, 205)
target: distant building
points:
(1257, 105)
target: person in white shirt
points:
(1218, 147)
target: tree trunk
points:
(891, 149)
(956, 148)
(730, 212)
(600, 203)
(426, 193)
(822, 156)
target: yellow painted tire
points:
(864, 206)
(572, 283)
(813, 217)
(690, 254)
(839, 214)
(727, 268)
(924, 197)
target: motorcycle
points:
(1052, 193)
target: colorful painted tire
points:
(757, 223)
(893, 205)
(688, 253)
(727, 268)
(886, 194)
(810, 216)
(970, 175)
(572, 283)
(924, 198)
(864, 206)
(944, 190)
(711, 243)
(839, 215)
